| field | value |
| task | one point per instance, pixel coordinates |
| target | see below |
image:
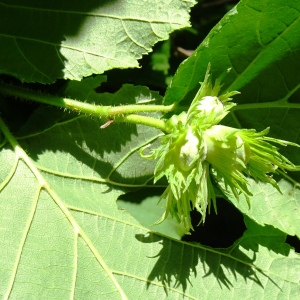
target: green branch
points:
(272, 104)
(144, 120)
(124, 113)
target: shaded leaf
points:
(148, 210)
(160, 58)
(258, 40)
(62, 39)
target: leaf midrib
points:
(60, 11)
(260, 53)
(43, 185)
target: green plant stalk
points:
(143, 120)
(282, 103)
(124, 113)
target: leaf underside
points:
(41, 41)
(66, 238)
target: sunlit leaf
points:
(43, 41)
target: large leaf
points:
(63, 236)
(269, 206)
(259, 41)
(43, 41)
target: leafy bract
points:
(43, 41)
(258, 42)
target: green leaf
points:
(45, 41)
(148, 210)
(269, 206)
(64, 237)
(258, 41)
(80, 170)
(160, 58)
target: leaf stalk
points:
(124, 113)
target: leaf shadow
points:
(178, 263)
(83, 148)
(39, 30)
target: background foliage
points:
(62, 233)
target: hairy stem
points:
(144, 120)
(125, 113)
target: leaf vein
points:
(27, 60)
